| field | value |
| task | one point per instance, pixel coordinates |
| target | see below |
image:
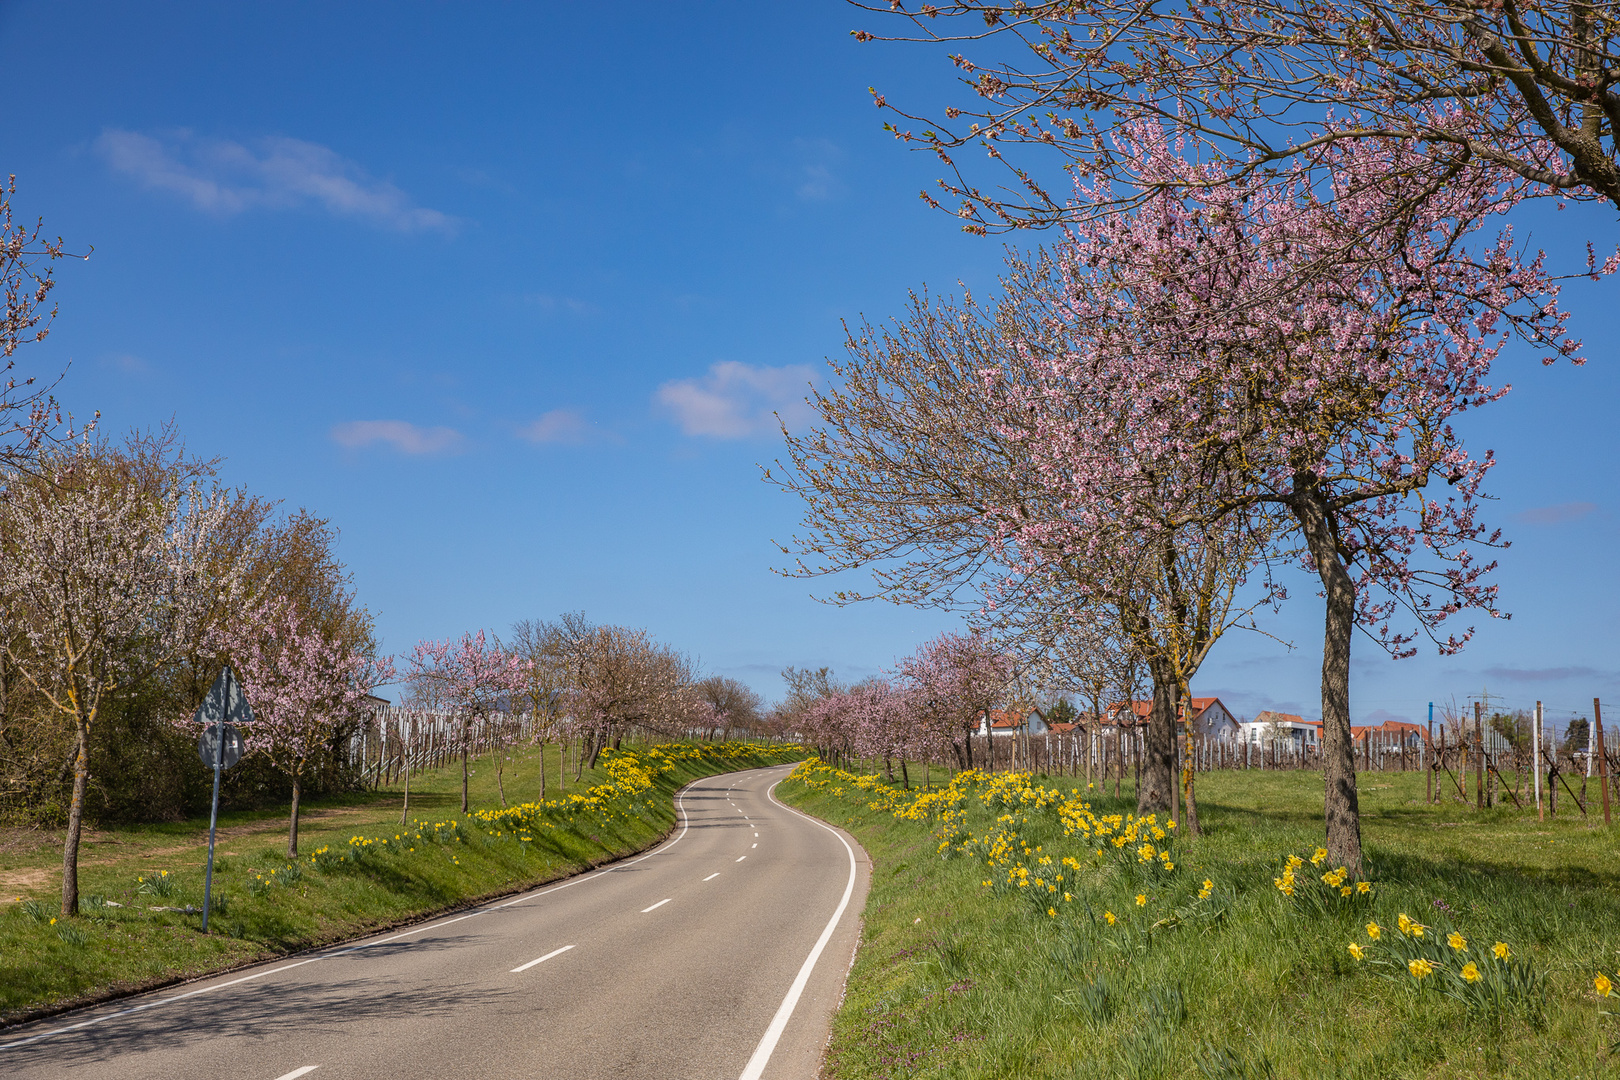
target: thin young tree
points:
(303, 686)
(106, 583)
(477, 679)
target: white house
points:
(1268, 725)
(1012, 722)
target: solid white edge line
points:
(712, 876)
(762, 1053)
(658, 905)
(543, 959)
(680, 809)
(296, 1073)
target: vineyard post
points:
(1479, 756)
(1535, 760)
(1603, 758)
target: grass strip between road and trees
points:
(1022, 926)
(359, 870)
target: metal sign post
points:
(219, 746)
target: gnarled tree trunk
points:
(1342, 811)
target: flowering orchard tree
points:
(949, 684)
(882, 724)
(476, 679)
(303, 685)
(1526, 89)
(106, 582)
(621, 678)
(1247, 375)
(27, 412)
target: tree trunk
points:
(405, 810)
(905, 779)
(292, 823)
(497, 758)
(542, 770)
(1341, 809)
(1158, 768)
(466, 733)
(70, 848)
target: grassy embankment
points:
(1127, 969)
(352, 875)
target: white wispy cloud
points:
(1559, 514)
(220, 176)
(736, 400)
(403, 436)
(564, 427)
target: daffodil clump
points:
(1442, 959)
(158, 884)
(261, 882)
(1139, 846)
(1320, 889)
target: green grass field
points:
(956, 979)
(266, 906)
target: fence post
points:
(1479, 756)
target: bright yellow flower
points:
(1363, 887)
(1501, 950)
(1052, 912)
(1141, 899)
(1357, 951)
(1457, 941)
(1208, 884)
(1602, 983)
(1111, 917)
(1470, 973)
(1344, 890)
(1420, 968)
(1405, 924)
(1316, 859)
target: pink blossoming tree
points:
(303, 686)
(1238, 371)
(476, 679)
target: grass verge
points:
(359, 870)
(1006, 934)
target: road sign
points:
(228, 755)
(224, 702)
(220, 747)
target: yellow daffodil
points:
(1457, 941)
(1404, 923)
(1111, 917)
(1052, 912)
(1141, 899)
(1357, 951)
(1601, 983)
(1420, 968)
(1320, 854)
(1364, 887)
(1501, 950)
(1470, 973)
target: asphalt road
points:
(721, 953)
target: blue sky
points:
(509, 293)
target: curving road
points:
(721, 953)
